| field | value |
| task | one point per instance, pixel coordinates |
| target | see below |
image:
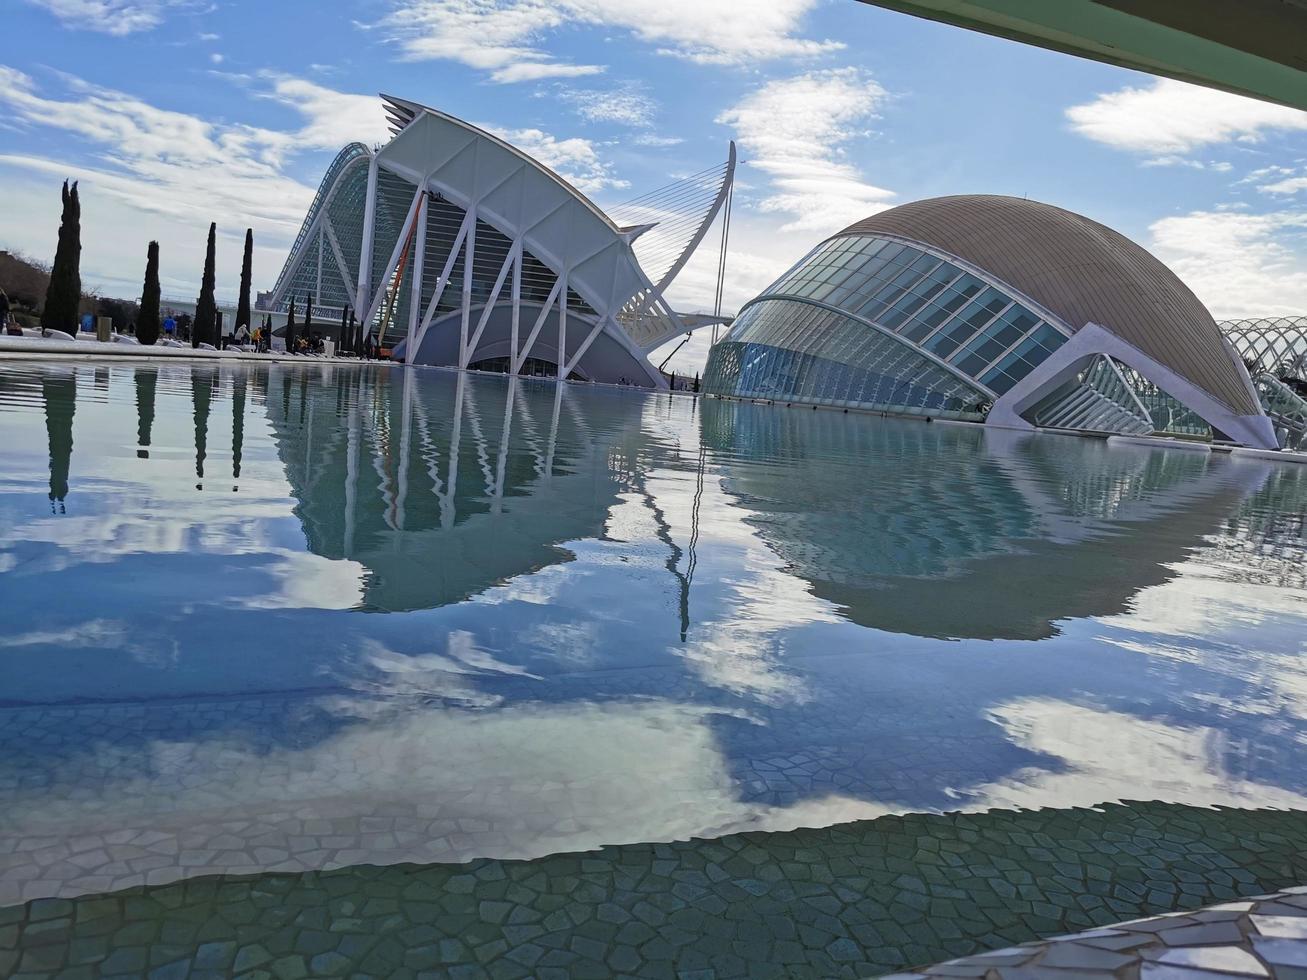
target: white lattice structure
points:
(460, 249)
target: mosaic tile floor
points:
(1265, 936)
(855, 900)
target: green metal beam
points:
(1256, 48)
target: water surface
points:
(289, 618)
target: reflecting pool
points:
(295, 618)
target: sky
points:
(175, 113)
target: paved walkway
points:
(1264, 936)
(854, 901)
(36, 347)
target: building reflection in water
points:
(945, 532)
(575, 616)
(443, 490)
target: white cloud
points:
(166, 175)
(650, 139)
(116, 17)
(1289, 185)
(1170, 117)
(332, 118)
(503, 37)
(1238, 264)
(216, 58)
(627, 105)
(163, 161)
(1175, 160)
(795, 131)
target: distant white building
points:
(456, 248)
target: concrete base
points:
(1158, 442)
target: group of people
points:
(260, 338)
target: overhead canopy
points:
(1253, 47)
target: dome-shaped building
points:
(990, 308)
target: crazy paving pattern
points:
(854, 900)
(1265, 936)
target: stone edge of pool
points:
(1261, 936)
(855, 900)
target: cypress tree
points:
(147, 321)
(60, 394)
(290, 327)
(146, 381)
(205, 328)
(344, 326)
(64, 293)
(307, 332)
(243, 304)
(353, 333)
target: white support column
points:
(517, 310)
(562, 328)
(317, 284)
(364, 298)
(419, 266)
(469, 264)
(521, 356)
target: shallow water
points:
(308, 617)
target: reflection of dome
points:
(1030, 532)
(947, 306)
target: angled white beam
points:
(339, 256)
(405, 445)
(400, 241)
(514, 256)
(1071, 358)
(447, 509)
(443, 281)
(553, 432)
(501, 464)
(520, 358)
(595, 331)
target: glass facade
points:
(848, 326)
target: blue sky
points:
(173, 113)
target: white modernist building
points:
(456, 248)
(994, 309)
